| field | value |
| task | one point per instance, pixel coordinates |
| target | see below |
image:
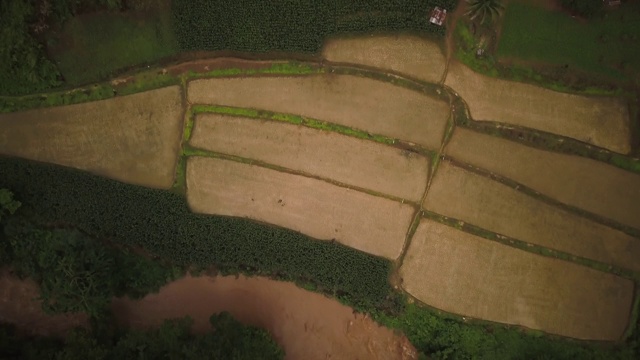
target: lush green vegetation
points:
(160, 222)
(93, 47)
(587, 8)
(608, 45)
(292, 26)
(173, 340)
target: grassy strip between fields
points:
(144, 81)
(161, 223)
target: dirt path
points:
(449, 38)
(307, 325)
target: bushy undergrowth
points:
(161, 223)
(293, 26)
(173, 340)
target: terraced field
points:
(358, 102)
(362, 164)
(601, 121)
(405, 54)
(135, 139)
(349, 188)
(467, 275)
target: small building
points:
(438, 16)
(612, 2)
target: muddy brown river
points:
(307, 325)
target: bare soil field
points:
(602, 121)
(19, 305)
(330, 155)
(307, 325)
(464, 274)
(134, 139)
(587, 184)
(405, 54)
(486, 203)
(316, 208)
(362, 103)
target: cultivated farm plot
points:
(464, 274)
(356, 162)
(313, 207)
(478, 200)
(601, 121)
(405, 54)
(591, 185)
(134, 139)
(362, 103)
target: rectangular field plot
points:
(134, 139)
(362, 103)
(349, 160)
(405, 54)
(313, 207)
(601, 121)
(486, 203)
(464, 274)
(587, 184)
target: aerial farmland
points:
(346, 180)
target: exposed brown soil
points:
(314, 207)
(355, 162)
(464, 274)
(19, 305)
(307, 325)
(134, 139)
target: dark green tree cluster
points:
(229, 339)
(586, 8)
(293, 25)
(161, 223)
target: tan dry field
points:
(19, 305)
(349, 160)
(134, 139)
(486, 203)
(362, 103)
(308, 326)
(464, 274)
(587, 184)
(316, 208)
(405, 54)
(602, 121)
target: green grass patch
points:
(94, 47)
(608, 45)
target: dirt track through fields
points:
(316, 208)
(486, 203)
(471, 276)
(405, 54)
(602, 121)
(352, 161)
(134, 139)
(587, 184)
(362, 103)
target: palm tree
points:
(487, 10)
